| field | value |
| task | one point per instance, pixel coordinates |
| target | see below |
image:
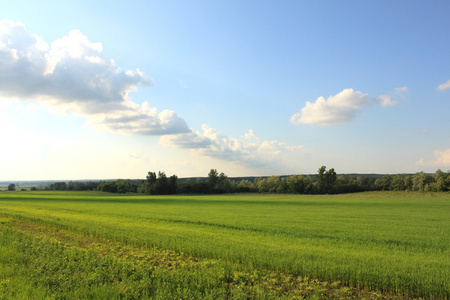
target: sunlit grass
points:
(389, 242)
(42, 262)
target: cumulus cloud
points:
(214, 144)
(73, 75)
(140, 120)
(190, 140)
(340, 108)
(444, 86)
(250, 135)
(441, 158)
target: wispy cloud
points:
(73, 75)
(340, 108)
(441, 159)
(212, 143)
(182, 84)
(444, 86)
(401, 89)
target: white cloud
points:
(212, 143)
(340, 108)
(140, 120)
(403, 89)
(190, 140)
(444, 86)
(250, 135)
(335, 110)
(73, 75)
(385, 100)
(441, 158)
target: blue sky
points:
(114, 89)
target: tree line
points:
(324, 182)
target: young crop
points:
(43, 262)
(387, 242)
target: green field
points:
(381, 244)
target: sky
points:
(115, 89)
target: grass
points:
(389, 243)
(42, 262)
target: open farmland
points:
(389, 243)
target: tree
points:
(80, 186)
(213, 180)
(150, 183)
(273, 183)
(125, 186)
(162, 184)
(283, 187)
(421, 181)
(325, 180)
(108, 186)
(71, 186)
(401, 182)
(261, 185)
(296, 184)
(309, 185)
(442, 181)
(438, 174)
(245, 186)
(384, 183)
(90, 185)
(58, 186)
(12, 187)
(151, 177)
(223, 184)
(186, 186)
(173, 184)
(217, 183)
(200, 187)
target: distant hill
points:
(37, 183)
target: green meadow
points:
(99, 245)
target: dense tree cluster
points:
(327, 182)
(215, 183)
(73, 186)
(120, 186)
(324, 182)
(161, 185)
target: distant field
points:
(389, 242)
